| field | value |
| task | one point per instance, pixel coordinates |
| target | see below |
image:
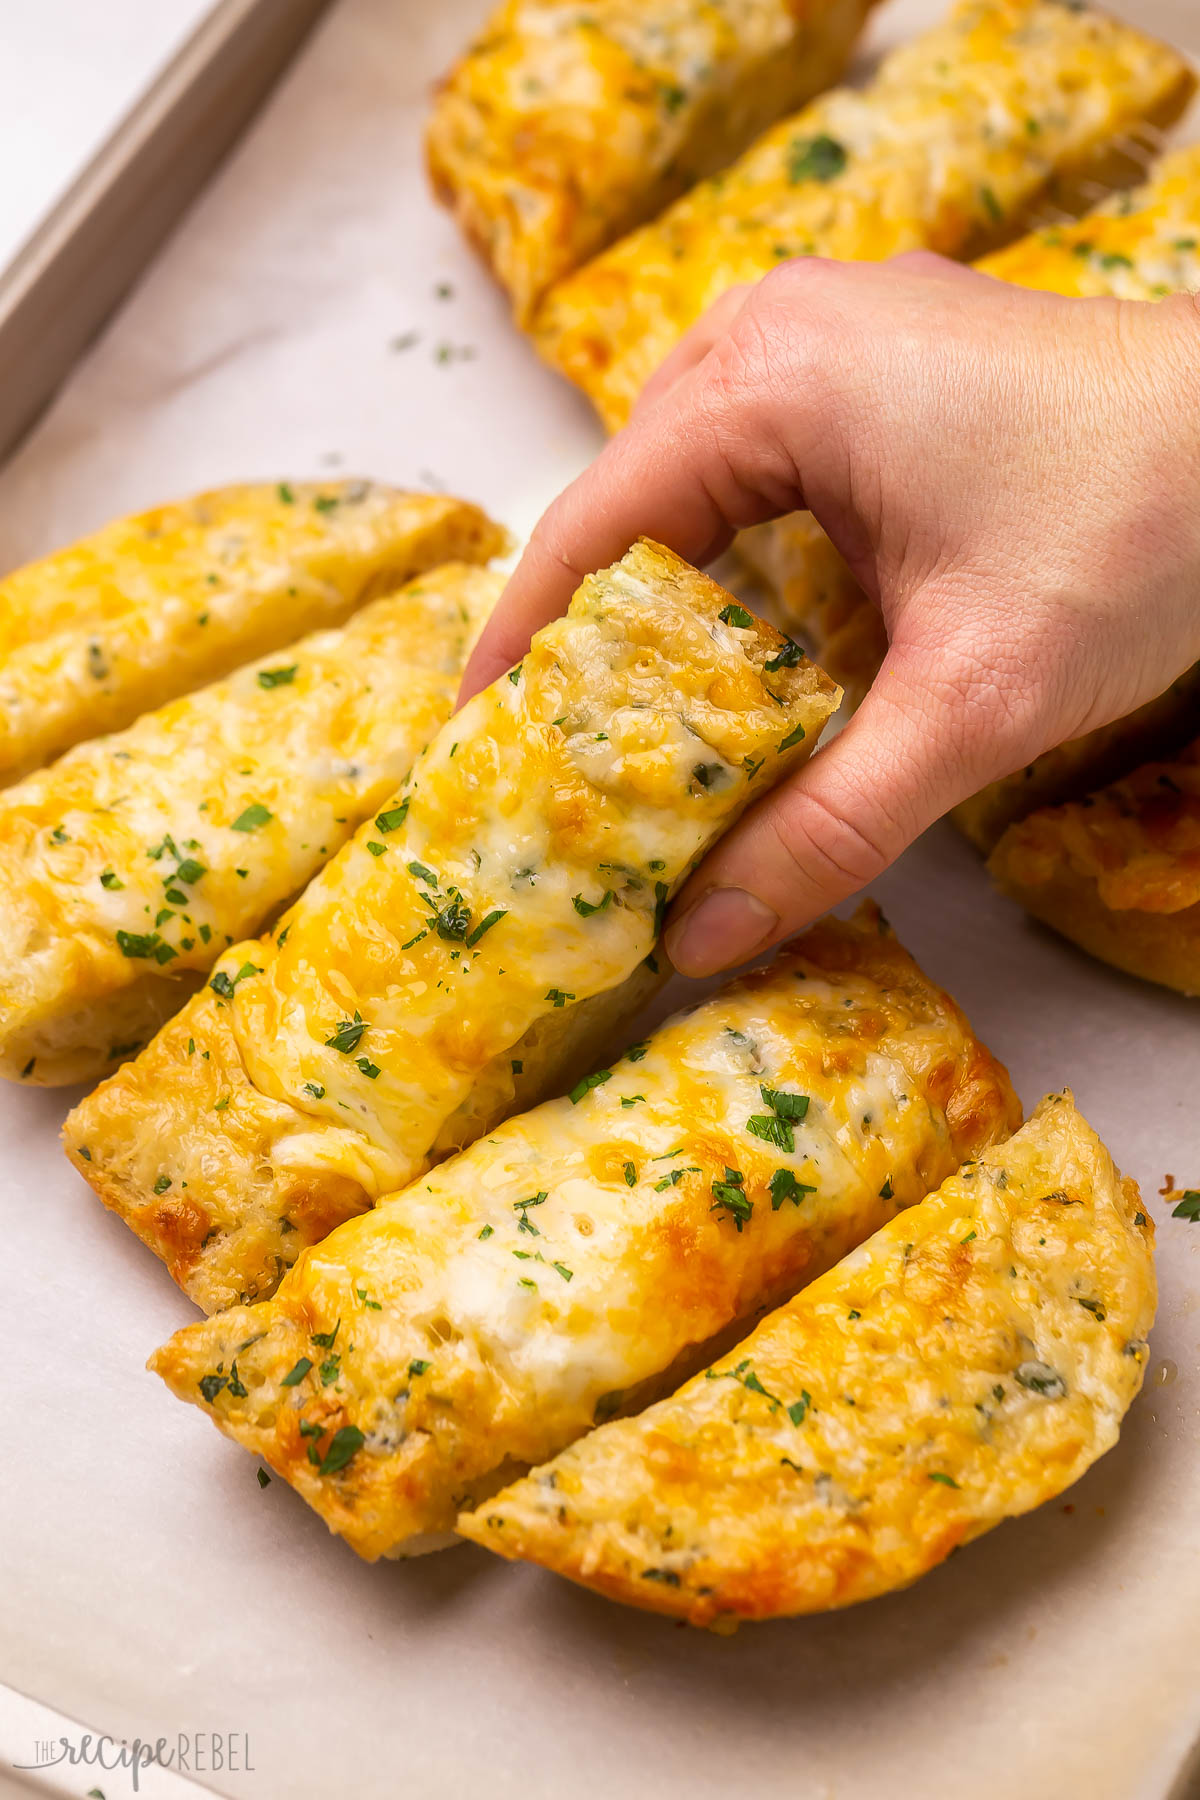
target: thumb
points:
(903, 760)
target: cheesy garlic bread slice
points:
(966, 1364)
(471, 947)
(953, 139)
(564, 127)
(1119, 872)
(153, 606)
(569, 1264)
(132, 863)
(1141, 245)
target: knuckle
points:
(823, 845)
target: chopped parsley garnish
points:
(630, 1174)
(786, 658)
(514, 675)
(162, 1184)
(112, 881)
(631, 1099)
(285, 494)
(264, 1480)
(189, 871)
(297, 1372)
(253, 819)
(1040, 1378)
(1095, 1308)
(133, 943)
(797, 1412)
(314, 1090)
(728, 1196)
(585, 908)
(1189, 1207)
(224, 984)
(675, 1177)
(371, 1305)
(784, 1186)
(369, 1069)
(736, 615)
(423, 874)
(417, 1366)
(946, 1480)
(636, 1052)
(815, 159)
(487, 1231)
(485, 924)
(556, 997)
(453, 921)
(887, 1190)
(273, 678)
(991, 205)
(346, 1441)
(794, 736)
(375, 848)
(567, 1274)
(211, 1385)
(744, 1374)
(325, 1340)
(348, 1035)
(785, 1105)
(772, 1130)
(393, 819)
(584, 1087)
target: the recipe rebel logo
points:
(187, 1753)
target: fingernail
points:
(723, 928)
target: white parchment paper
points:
(299, 324)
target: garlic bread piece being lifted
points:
(964, 1365)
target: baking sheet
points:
(149, 1586)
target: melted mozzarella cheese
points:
(955, 136)
(132, 863)
(470, 946)
(153, 606)
(967, 1363)
(564, 1265)
(562, 128)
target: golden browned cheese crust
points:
(580, 1259)
(132, 863)
(563, 126)
(964, 1365)
(469, 947)
(1118, 873)
(944, 150)
(156, 605)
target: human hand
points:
(1014, 477)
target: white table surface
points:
(148, 1585)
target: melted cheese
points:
(955, 136)
(1119, 873)
(131, 864)
(566, 125)
(153, 606)
(568, 1262)
(509, 896)
(966, 1364)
